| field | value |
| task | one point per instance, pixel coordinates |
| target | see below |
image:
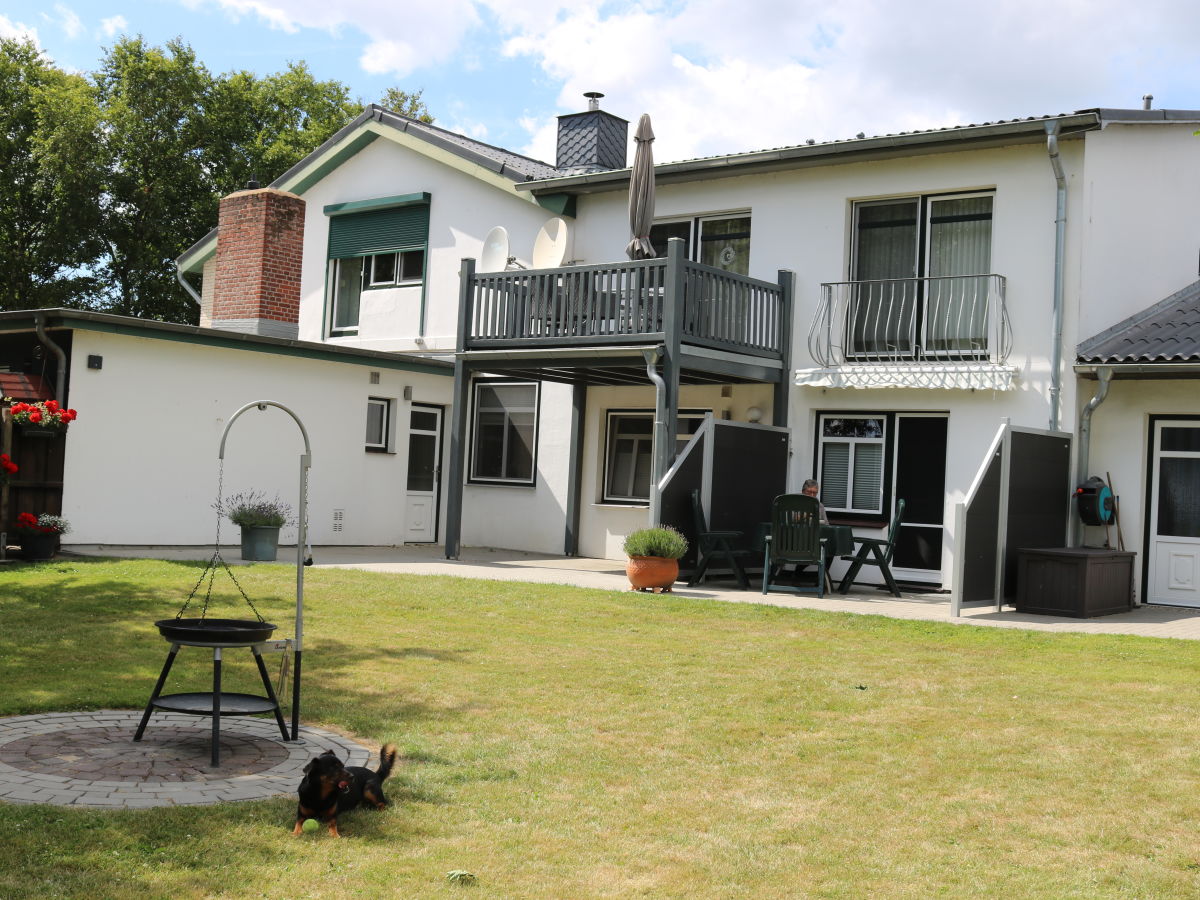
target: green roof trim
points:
(327, 164)
(336, 209)
(230, 340)
(559, 204)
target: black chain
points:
(210, 568)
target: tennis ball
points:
(310, 825)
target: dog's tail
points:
(387, 759)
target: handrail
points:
(617, 301)
(934, 319)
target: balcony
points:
(640, 302)
(945, 331)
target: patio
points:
(607, 574)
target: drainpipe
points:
(60, 385)
(1060, 238)
(1083, 443)
(660, 433)
(187, 287)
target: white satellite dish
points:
(550, 246)
(495, 250)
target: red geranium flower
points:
(35, 417)
(52, 405)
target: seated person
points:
(810, 488)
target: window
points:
(379, 420)
(374, 244)
(629, 453)
(851, 463)
(723, 241)
(504, 436)
(921, 267)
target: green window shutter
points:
(378, 231)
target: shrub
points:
(254, 509)
(662, 541)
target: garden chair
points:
(718, 545)
(794, 540)
(875, 552)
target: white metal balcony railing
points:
(943, 319)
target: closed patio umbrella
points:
(641, 192)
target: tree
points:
(48, 208)
(407, 104)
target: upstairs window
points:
(921, 269)
(719, 241)
(374, 244)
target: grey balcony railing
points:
(619, 302)
(945, 319)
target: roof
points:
(86, 320)
(1002, 132)
(24, 387)
(497, 162)
(1167, 332)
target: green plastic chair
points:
(795, 540)
(875, 552)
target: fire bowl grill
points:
(215, 631)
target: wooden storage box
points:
(1080, 582)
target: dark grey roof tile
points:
(1168, 331)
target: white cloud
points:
(68, 21)
(18, 31)
(113, 26)
(722, 76)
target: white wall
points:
(1120, 449)
(141, 462)
(462, 211)
(1139, 232)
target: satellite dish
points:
(550, 246)
(495, 250)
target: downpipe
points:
(1060, 237)
(660, 434)
(60, 384)
(1083, 445)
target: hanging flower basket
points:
(44, 419)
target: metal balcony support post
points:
(787, 294)
(674, 291)
(458, 415)
(575, 470)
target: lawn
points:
(570, 743)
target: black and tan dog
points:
(330, 788)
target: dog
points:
(329, 788)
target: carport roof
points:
(1167, 332)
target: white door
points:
(1174, 524)
(424, 474)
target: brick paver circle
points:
(91, 759)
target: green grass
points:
(570, 743)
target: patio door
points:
(920, 481)
(424, 474)
(1174, 524)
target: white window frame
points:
(402, 273)
(696, 230)
(335, 290)
(609, 495)
(384, 444)
(534, 408)
(852, 444)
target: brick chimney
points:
(260, 248)
(592, 141)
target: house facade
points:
(889, 300)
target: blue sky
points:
(717, 76)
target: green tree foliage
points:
(108, 178)
(407, 104)
(48, 210)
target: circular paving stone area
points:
(91, 759)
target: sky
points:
(716, 76)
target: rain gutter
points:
(187, 287)
(1060, 238)
(660, 434)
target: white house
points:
(888, 299)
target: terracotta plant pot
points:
(650, 573)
